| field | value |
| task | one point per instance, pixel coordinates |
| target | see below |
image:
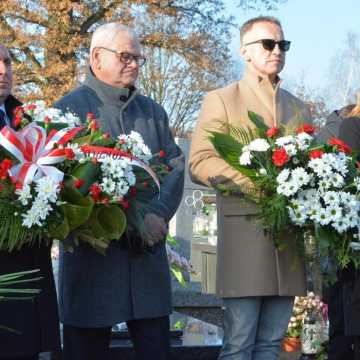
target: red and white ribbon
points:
(35, 151)
(98, 151)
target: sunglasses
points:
(269, 44)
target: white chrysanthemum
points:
(24, 194)
(118, 172)
(334, 212)
(331, 197)
(321, 217)
(357, 183)
(341, 225)
(283, 176)
(285, 140)
(108, 185)
(245, 158)
(134, 143)
(47, 188)
(41, 207)
(297, 217)
(310, 195)
(300, 176)
(30, 219)
(69, 118)
(288, 188)
(259, 145)
(352, 220)
(337, 180)
(290, 149)
(303, 140)
(122, 188)
(38, 212)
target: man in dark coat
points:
(337, 295)
(349, 132)
(36, 321)
(99, 291)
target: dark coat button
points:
(123, 98)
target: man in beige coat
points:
(256, 281)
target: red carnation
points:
(280, 157)
(340, 145)
(17, 121)
(272, 132)
(93, 125)
(162, 154)
(18, 111)
(90, 116)
(31, 107)
(47, 120)
(306, 128)
(125, 204)
(105, 200)
(78, 183)
(314, 154)
(133, 191)
(95, 191)
(69, 153)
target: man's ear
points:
(96, 58)
(244, 53)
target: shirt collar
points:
(256, 79)
(2, 107)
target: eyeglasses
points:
(269, 44)
(125, 57)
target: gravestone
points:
(189, 217)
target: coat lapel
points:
(264, 92)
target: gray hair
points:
(247, 26)
(105, 34)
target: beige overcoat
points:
(248, 264)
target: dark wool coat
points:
(97, 290)
(349, 131)
(36, 320)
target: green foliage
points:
(7, 281)
(258, 122)
(229, 149)
(87, 172)
(178, 275)
(243, 135)
(13, 235)
(101, 228)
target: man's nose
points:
(277, 50)
(3, 68)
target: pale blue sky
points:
(317, 29)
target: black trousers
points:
(150, 337)
(340, 344)
(35, 357)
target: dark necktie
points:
(2, 118)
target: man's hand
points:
(155, 229)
